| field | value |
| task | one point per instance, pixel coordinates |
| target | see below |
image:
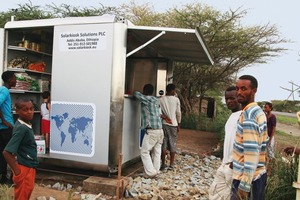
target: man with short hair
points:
(151, 122)
(221, 187)
(170, 107)
(249, 149)
(6, 119)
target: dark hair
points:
(148, 89)
(170, 87)
(45, 94)
(7, 75)
(19, 101)
(254, 83)
(231, 88)
(270, 105)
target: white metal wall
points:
(83, 76)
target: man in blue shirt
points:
(6, 119)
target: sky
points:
(279, 72)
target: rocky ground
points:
(190, 179)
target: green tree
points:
(28, 11)
(232, 45)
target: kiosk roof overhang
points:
(183, 45)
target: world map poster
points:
(72, 128)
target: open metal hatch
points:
(183, 45)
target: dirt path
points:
(289, 129)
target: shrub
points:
(283, 174)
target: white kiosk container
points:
(94, 64)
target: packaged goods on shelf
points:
(37, 66)
(34, 85)
(19, 63)
(44, 85)
(41, 146)
(23, 81)
(26, 82)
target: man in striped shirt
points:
(249, 150)
(152, 123)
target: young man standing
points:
(6, 119)
(249, 150)
(170, 107)
(151, 122)
(221, 186)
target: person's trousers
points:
(257, 190)
(5, 136)
(152, 144)
(220, 188)
(24, 183)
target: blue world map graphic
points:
(72, 128)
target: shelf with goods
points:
(28, 50)
(31, 65)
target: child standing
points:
(45, 113)
(21, 151)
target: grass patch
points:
(283, 140)
(5, 192)
(287, 120)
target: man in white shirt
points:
(221, 186)
(170, 107)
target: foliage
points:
(283, 174)
(142, 14)
(29, 11)
(286, 106)
(202, 122)
(232, 46)
(25, 11)
(65, 10)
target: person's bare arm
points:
(11, 161)
(4, 121)
(167, 119)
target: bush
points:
(286, 106)
(283, 174)
(203, 123)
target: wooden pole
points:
(119, 176)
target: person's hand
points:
(17, 172)
(168, 120)
(242, 194)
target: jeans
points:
(257, 190)
(5, 136)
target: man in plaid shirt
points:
(152, 123)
